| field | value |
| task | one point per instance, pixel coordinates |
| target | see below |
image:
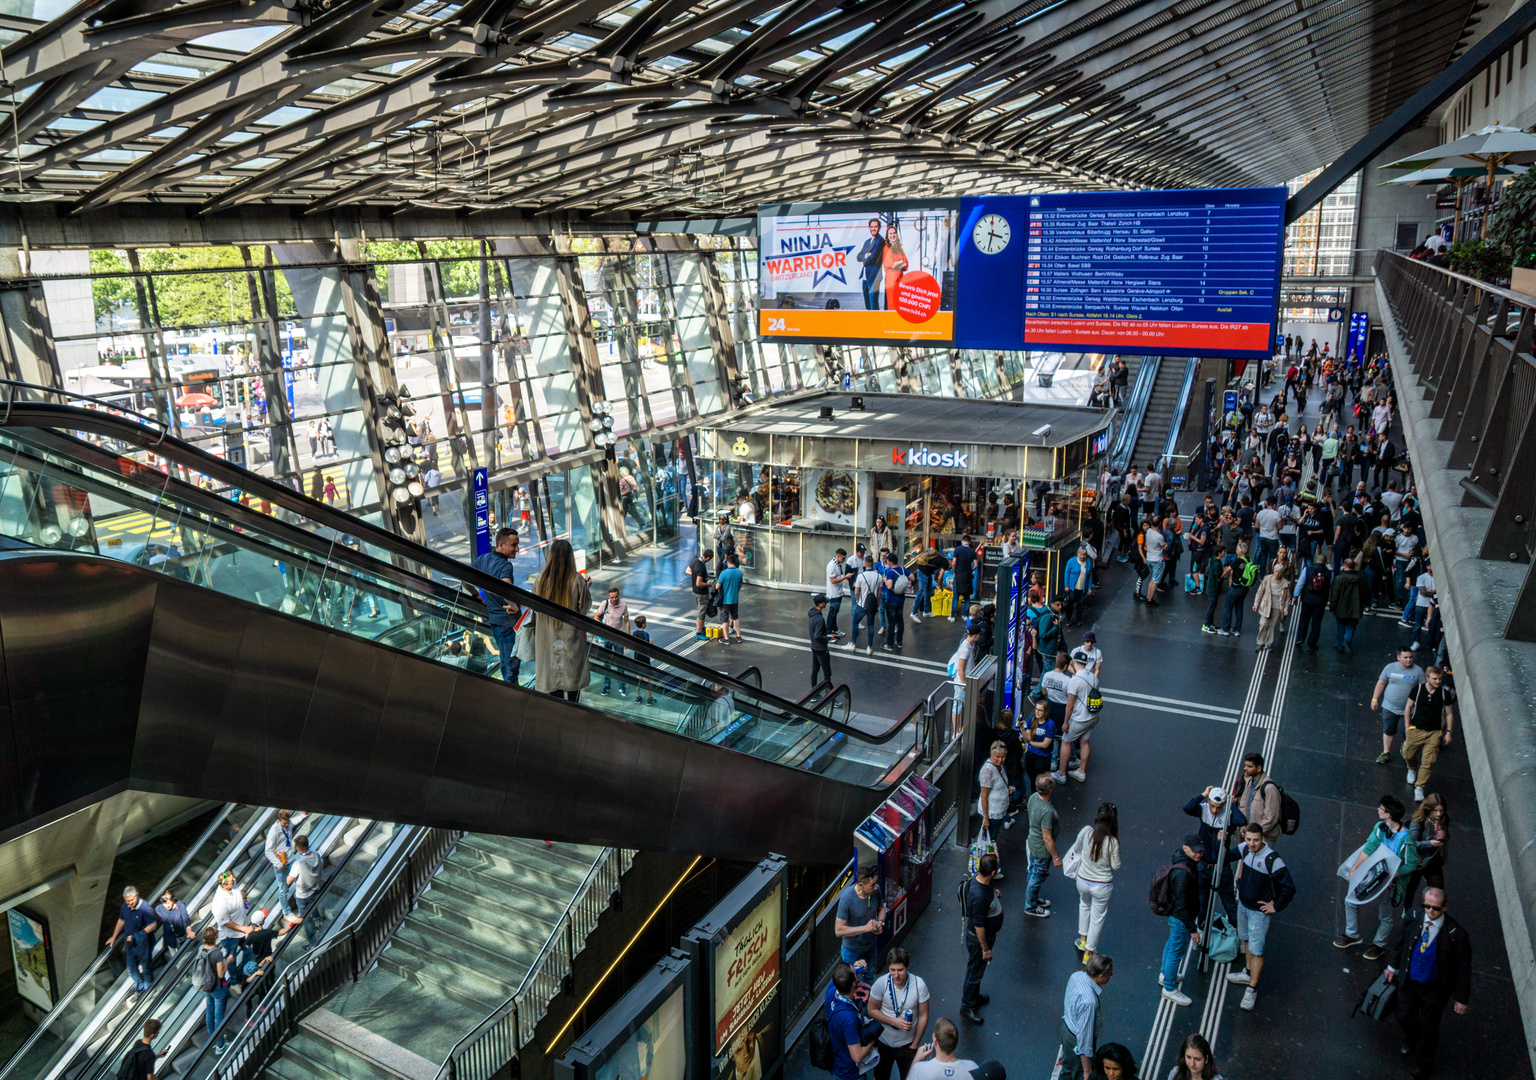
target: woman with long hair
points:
(1430, 831)
(1098, 846)
(1112, 1061)
(895, 262)
(1196, 1062)
(560, 649)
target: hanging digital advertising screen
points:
(1172, 273)
(645, 1036)
(880, 273)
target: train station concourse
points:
(741, 540)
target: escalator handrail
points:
(804, 702)
(1135, 408)
(753, 670)
(272, 983)
(1176, 422)
(68, 418)
(169, 976)
(236, 844)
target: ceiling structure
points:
(611, 109)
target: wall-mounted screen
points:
(31, 957)
(878, 273)
(645, 1036)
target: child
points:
(639, 631)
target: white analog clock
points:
(991, 234)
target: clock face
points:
(991, 234)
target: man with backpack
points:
(1084, 701)
(210, 969)
(1175, 895)
(1258, 798)
(1312, 589)
(139, 1064)
(1264, 888)
(893, 596)
(867, 586)
(698, 581)
(1348, 598)
(850, 1038)
(1244, 572)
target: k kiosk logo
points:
(920, 456)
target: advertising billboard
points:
(644, 1037)
(32, 957)
(739, 949)
(880, 273)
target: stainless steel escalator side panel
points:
(75, 648)
(234, 702)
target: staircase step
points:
(431, 972)
(469, 945)
(518, 947)
(352, 1052)
(483, 902)
(492, 872)
(530, 858)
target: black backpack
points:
(819, 1040)
(1317, 581)
(1160, 896)
(133, 1067)
(1290, 811)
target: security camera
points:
(1042, 431)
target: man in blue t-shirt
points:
(136, 925)
(728, 581)
(846, 1025)
(893, 594)
(500, 612)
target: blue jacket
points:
(1075, 568)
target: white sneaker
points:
(1411, 775)
(1175, 996)
(1240, 977)
(1418, 794)
(916, 617)
(1250, 996)
(1078, 775)
(850, 645)
(869, 650)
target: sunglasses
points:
(1434, 907)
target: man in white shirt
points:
(1392, 499)
(304, 877)
(937, 1060)
(837, 574)
(899, 1001)
(1080, 722)
(1423, 598)
(229, 914)
(866, 584)
(1089, 653)
(1157, 547)
(1267, 521)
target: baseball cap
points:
(1090, 635)
(989, 1070)
(1218, 795)
(1194, 843)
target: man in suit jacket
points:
(1431, 966)
(872, 258)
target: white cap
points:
(1217, 795)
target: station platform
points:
(1179, 706)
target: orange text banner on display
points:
(843, 324)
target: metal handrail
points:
(59, 1010)
(1176, 422)
(1131, 415)
(494, 1028)
(68, 418)
(351, 950)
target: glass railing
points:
(109, 495)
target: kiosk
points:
(799, 479)
(898, 840)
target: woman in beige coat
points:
(1272, 600)
(560, 649)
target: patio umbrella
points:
(1455, 169)
(196, 400)
(1491, 147)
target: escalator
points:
(249, 644)
(86, 1035)
(1159, 416)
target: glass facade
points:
(284, 359)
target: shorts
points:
(702, 600)
(1252, 927)
(1157, 570)
(730, 610)
(1390, 722)
(1083, 732)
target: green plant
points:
(1514, 226)
(1482, 259)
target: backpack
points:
(1160, 896)
(1095, 700)
(1317, 583)
(205, 973)
(819, 1035)
(131, 1069)
(871, 594)
(1290, 811)
(1247, 572)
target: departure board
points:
(1168, 272)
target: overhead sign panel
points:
(873, 272)
(1178, 273)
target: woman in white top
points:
(1195, 1061)
(1098, 848)
(993, 801)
